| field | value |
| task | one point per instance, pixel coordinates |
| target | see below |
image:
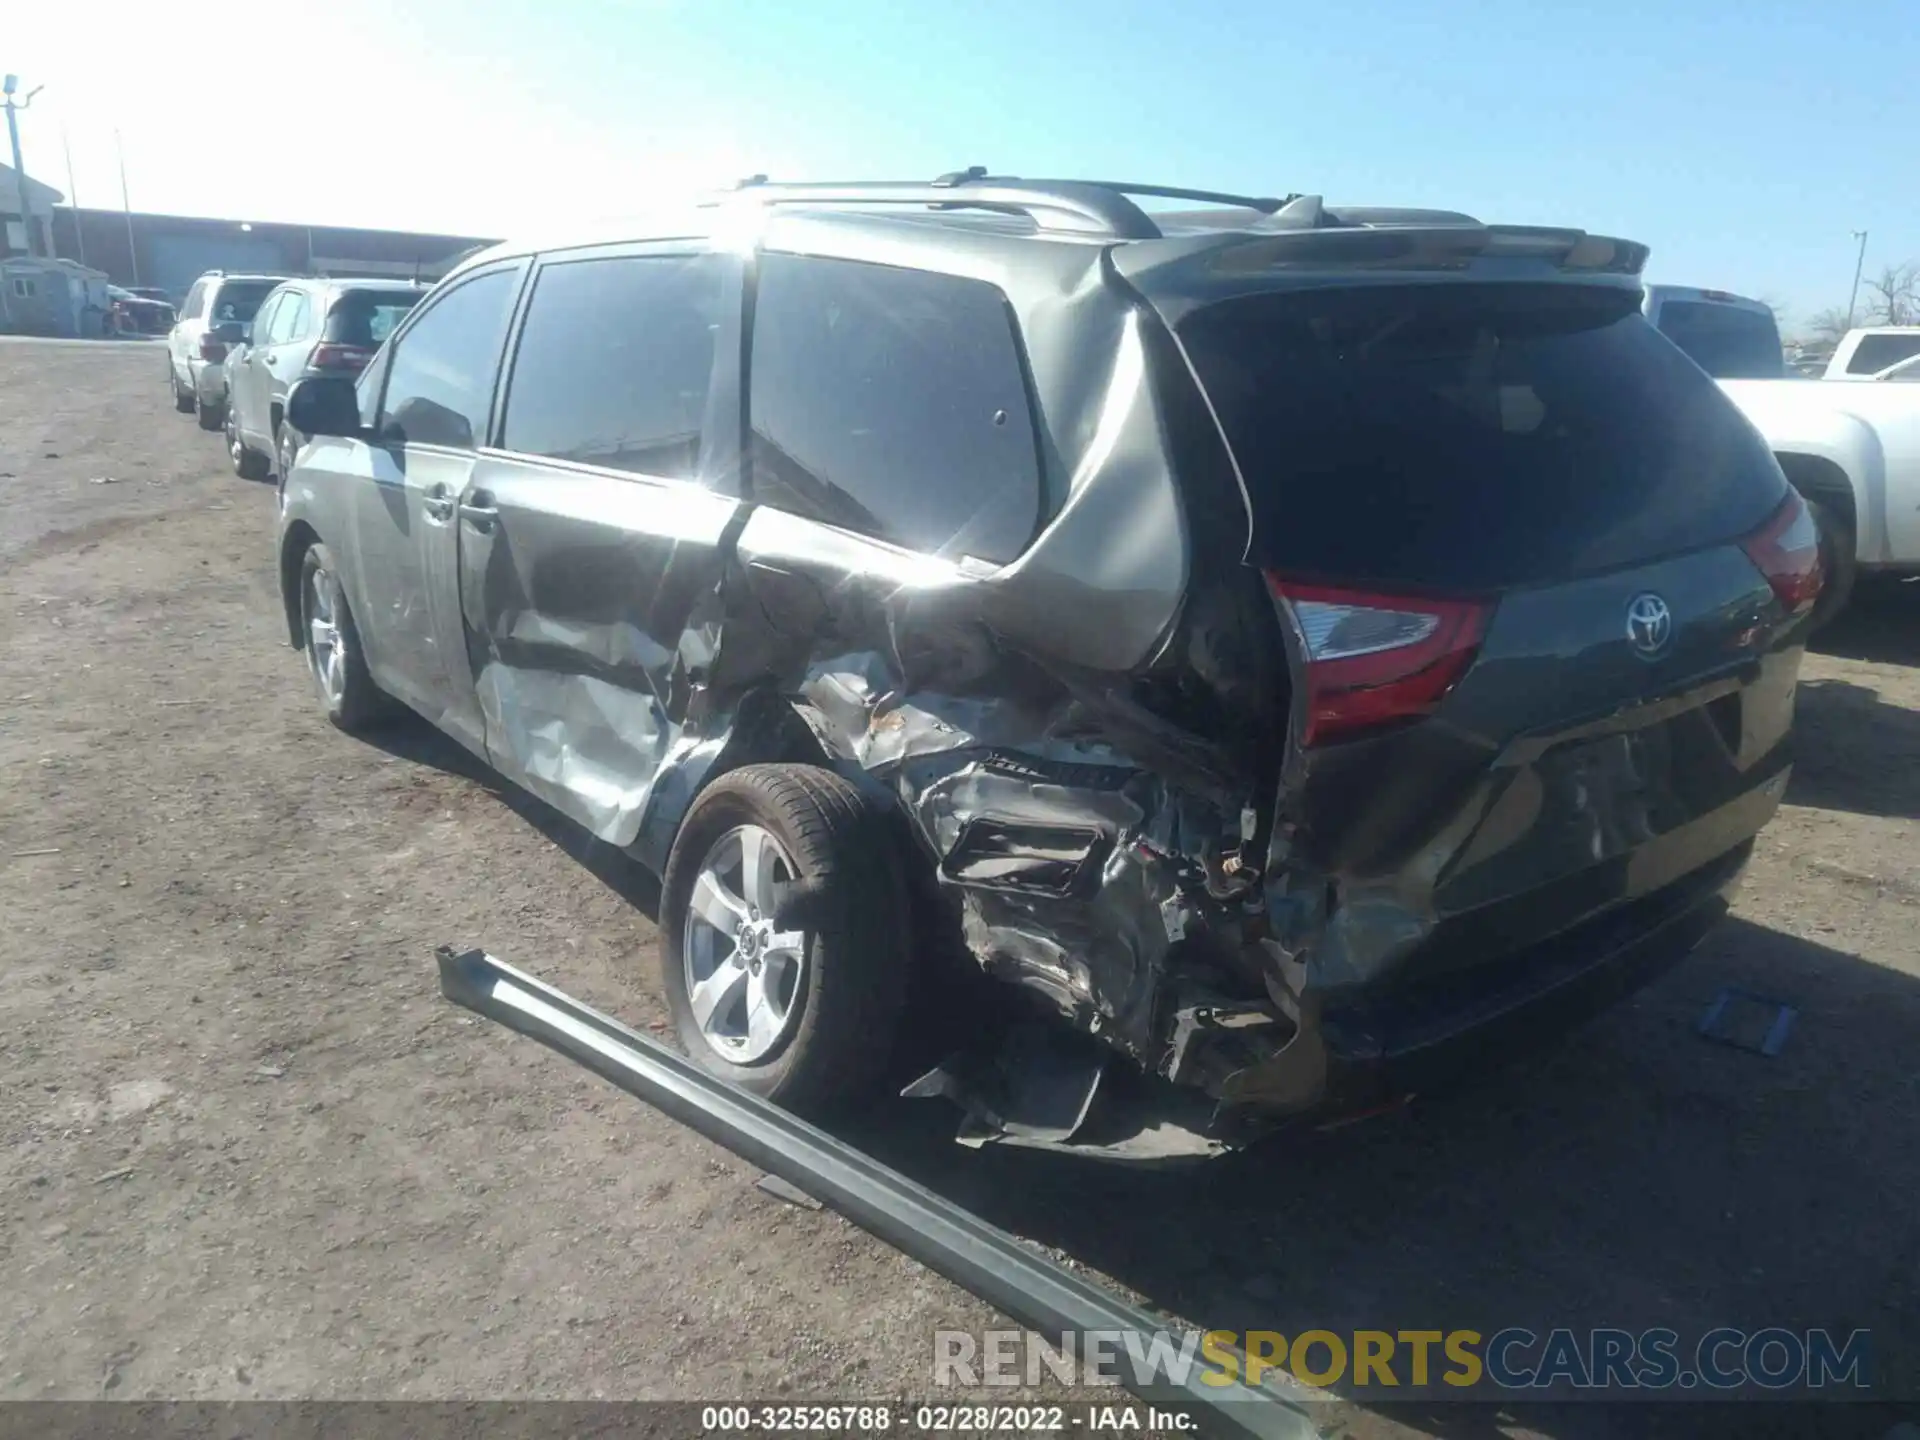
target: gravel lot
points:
(246, 1151)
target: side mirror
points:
(230, 332)
(324, 405)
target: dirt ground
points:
(246, 1151)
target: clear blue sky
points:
(1743, 141)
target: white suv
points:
(216, 314)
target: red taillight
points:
(1373, 659)
(339, 357)
(1787, 551)
(212, 349)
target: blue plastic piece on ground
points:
(1711, 1026)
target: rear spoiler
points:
(1323, 246)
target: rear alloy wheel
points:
(744, 977)
(352, 700)
(784, 940)
(248, 463)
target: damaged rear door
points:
(1546, 588)
(592, 533)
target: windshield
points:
(1729, 342)
(1471, 436)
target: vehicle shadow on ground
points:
(1638, 1176)
(1881, 624)
(1838, 722)
(408, 737)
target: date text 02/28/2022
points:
(880, 1418)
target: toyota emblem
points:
(1649, 624)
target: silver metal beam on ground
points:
(1027, 1287)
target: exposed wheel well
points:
(300, 538)
(1820, 479)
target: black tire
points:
(210, 417)
(182, 400)
(1839, 554)
(358, 703)
(248, 463)
(852, 905)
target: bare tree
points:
(1826, 326)
(1894, 297)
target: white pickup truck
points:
(1851, 448)
(1873, 352)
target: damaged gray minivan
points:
(1298, 650)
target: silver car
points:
(214, 316)
(304, 328)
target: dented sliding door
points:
(591, 537)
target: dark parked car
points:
(306, 327)
(1295, 649)
(134, 313)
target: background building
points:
(172, 251)
(13, 230)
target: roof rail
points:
(1086, 207)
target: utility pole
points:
(19, 166)
(1859, 264)
(73, 197)
(126, 207)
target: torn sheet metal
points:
(1048, 1089)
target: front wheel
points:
(783, 940)
(248, 463)
(182, 399)
(339, 667)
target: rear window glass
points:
(367, 317)
(1729, 342)
(240, 300)
(1471, 437)
(1876, 352)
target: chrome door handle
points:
(438, 507)
(481, 517)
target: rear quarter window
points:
(893, 403)
(1876, 352)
